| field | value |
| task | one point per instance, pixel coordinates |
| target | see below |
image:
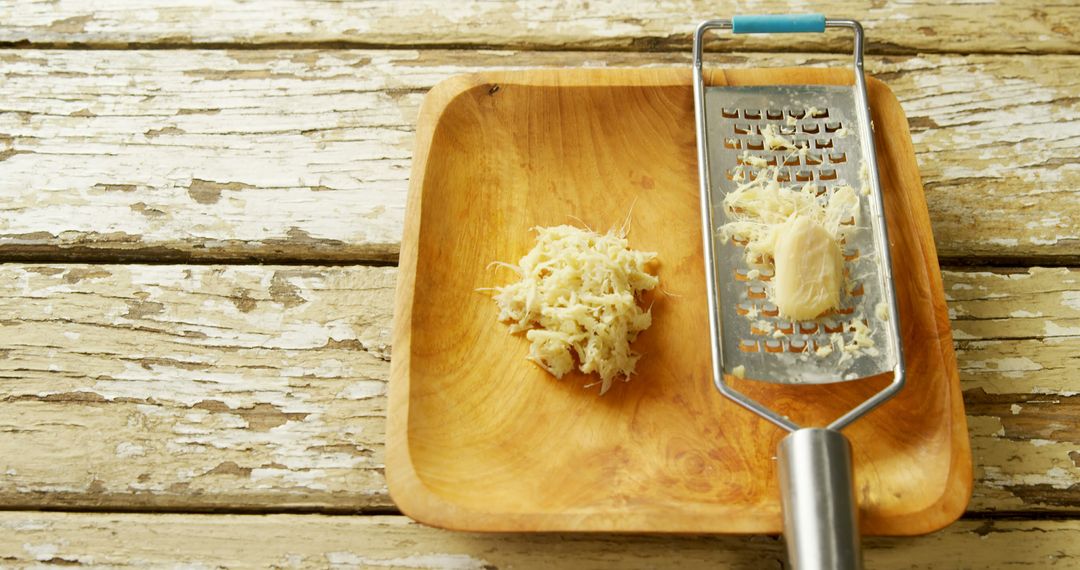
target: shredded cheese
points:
(761, 208)
(881, 311)
(773, 141)
(577, 298)
(798, 234)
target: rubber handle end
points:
(778, 24)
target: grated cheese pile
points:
(577, 299)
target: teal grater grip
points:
(778, 24)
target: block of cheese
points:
(809, 269)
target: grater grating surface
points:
(821, 120)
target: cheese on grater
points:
(809, 269)
(796, 232)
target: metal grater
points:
(832, 124)
(825, 127)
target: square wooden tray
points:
(481, 439)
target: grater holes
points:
(755, 292)
(755, 144)
(851, 254)
(732, 144)
(773, 345)
(792, 160)
(796, 113)
(797, 346)
(811, 129)
(783, 177)
(801, 142)
(741, 129)
(845, 310)
(827, 174)
(851, 325)
(774, 114)
(808, 327)
(823, 143)
(751, 114)
(833, 127)
(747, 345)
(819, 113)
(804, 176)
(741, 274)
(786, 327)
(857, 290)
(830, 326)
(744, 308)
(766, 274)
(749, 160)
(730, 113)
(837, 157)
(813, 159)
(760, 328)
(787, 129)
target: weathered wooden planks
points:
(1018, 347)
(90, 540)
(304, 155)
(1012, 26)
(179, 387)
(262, 388)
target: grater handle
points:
(821, 525)
(778, 24)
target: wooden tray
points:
(481, 439)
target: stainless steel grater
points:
(832, 125)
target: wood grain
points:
(46, 540)
(304, 155)
(181, 400)
(1012, 26)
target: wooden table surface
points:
(201, 207)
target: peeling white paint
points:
(1053, 391)
(42, 552)
(25, 525)
(1054, 329)
(433, 561)
(1055, 477)
(363, 389)
(127, 449)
